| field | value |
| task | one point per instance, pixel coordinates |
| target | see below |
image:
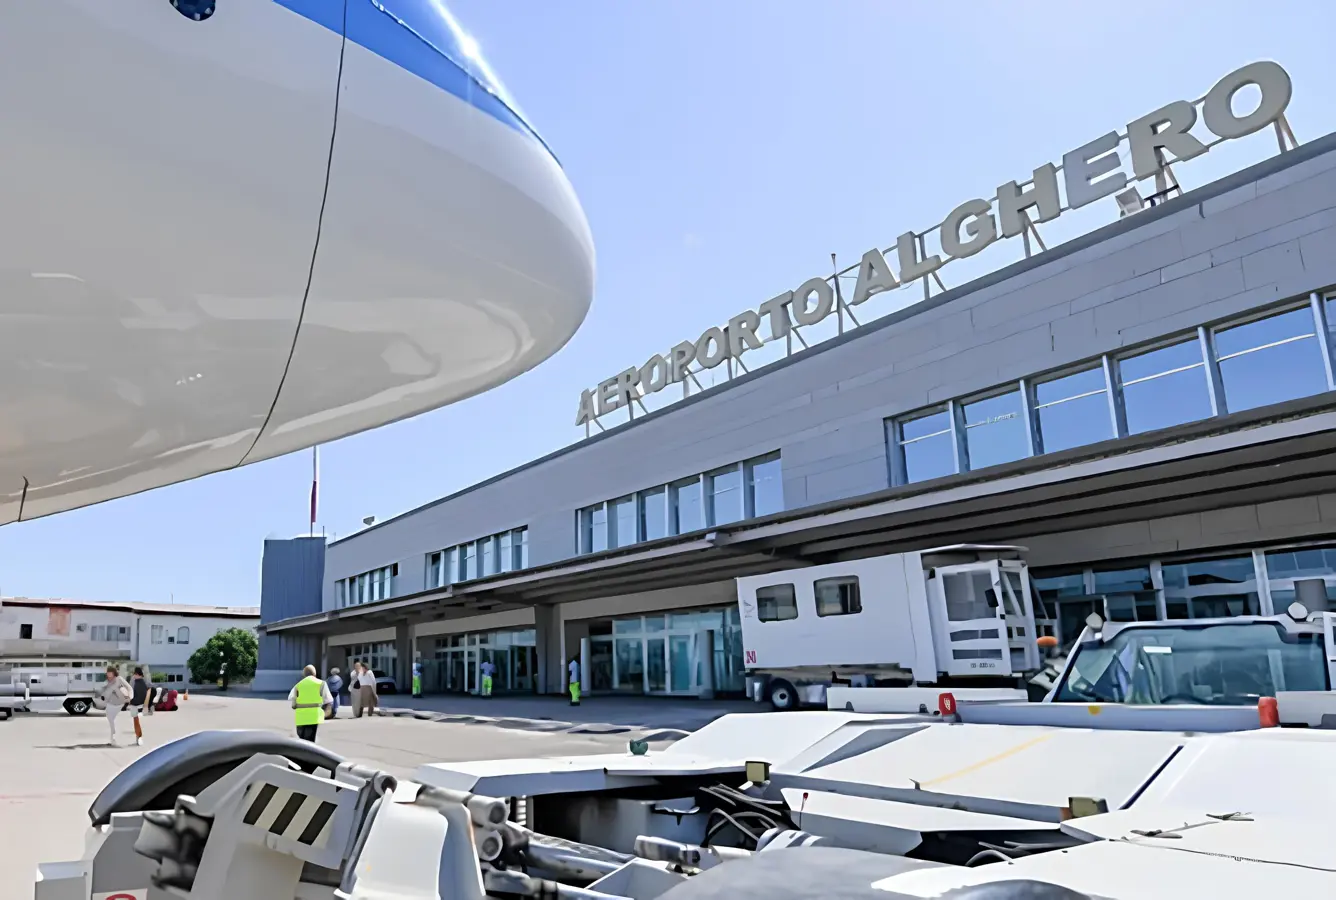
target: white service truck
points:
(962, 615)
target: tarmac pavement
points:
(54, 765)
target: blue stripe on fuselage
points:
(413, 35)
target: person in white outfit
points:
(115, 694)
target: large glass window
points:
(688, 508)
(523, 534)
(490, 563)
(1129, 594)
(1301, 562)
(1073, 410)
(1210, 588)
(470, 551)
(1165, 387)
(724, 488)
(927, 447)
(995, 430)
(765, 484)
(507, 551)
(624, 521)
(1271, 360)
(776, 603)
(654, 514)
(594, 525)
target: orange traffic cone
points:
(186, 695)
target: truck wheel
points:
(77, 706)
(783, 696)
(6, 713)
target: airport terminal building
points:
(1148, 409)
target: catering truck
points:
(962, 615)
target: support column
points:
(585, 680)
(547, 640)
(403, 653)
(703, 662)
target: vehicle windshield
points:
(1213, 665)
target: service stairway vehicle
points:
(66, 683)
(947, 802)
(963, 615)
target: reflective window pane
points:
(1301, 562)
(1270, 361)
(766, 485)
(1073, 411)
(490, 564)
(594, 521)
(522, 535)
(838, 596)
(654, 514)
(724, 488)
(776, 603)
(1165, 387)
(1211, 588)
(507, 552)
(688, 508)
(995, 430)
(624, 521)
(927, 448)
(1129, 594)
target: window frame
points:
(852, 606)
(792, 601)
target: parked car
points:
(385, 685)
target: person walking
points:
(309, 697)
(139, 691)
(574, 669)
(335, 682)
(115, 694)
(355, 689)
(369, 693)
(488, 670)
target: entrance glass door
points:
(679, 664)
(656, 673)
(629, 663)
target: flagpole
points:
(315, 482)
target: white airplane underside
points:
(230, 237)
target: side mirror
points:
(1095, 622)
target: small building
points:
(159, 635)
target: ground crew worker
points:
(574, 668)
(488, 670)
(309, 698)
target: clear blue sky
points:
(722, 151)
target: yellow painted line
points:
(988, 762)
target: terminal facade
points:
(1148, 409)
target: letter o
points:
(1218, 109)
(656, 366)
(715, 336)
(825, 300)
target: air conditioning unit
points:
(81, 627)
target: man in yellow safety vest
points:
(309, 698)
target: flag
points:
(315, 482)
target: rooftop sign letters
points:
(1089, 173)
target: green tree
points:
(235, 649)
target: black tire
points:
(783, 696)
(6, 714)
(77, 706)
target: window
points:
(183, 635)
(1129, 594)
(25, 632)
(594, 529)
(688, 509)
(654, 513)
(506, 543)
(470, 552)
(724, 489)
(1270, 361)
(1211, 588)
(1165, 387)
(838, 596)
(1301, 562)
(523, 534)
(927, 447)
(765, 486)
(995, 430)
(1072, 411)
(155, 634)
(776, 603)
(624, 521)
(490, 563)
